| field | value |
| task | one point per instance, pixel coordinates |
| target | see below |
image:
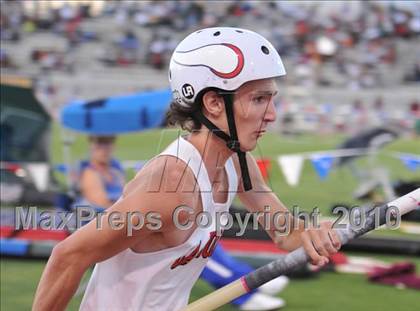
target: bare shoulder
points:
(88, 173)
(164, 174)
(88, 177)
(166, 183)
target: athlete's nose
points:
(270, 113)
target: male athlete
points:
(223, 81)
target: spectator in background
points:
(156, 54)
(414, 24)
(360, 115)
(413, 75)
(5, 60)
(415, 109)
(380, 115)
(101, 178)
(414, 117)
(128, 47)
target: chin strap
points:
(232, 141)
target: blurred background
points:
(347, 133)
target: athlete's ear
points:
(213, 104)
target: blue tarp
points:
(14, 247)
(117, 115)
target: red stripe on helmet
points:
(238, 67)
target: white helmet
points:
(221, 57)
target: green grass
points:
(330, 291)
(327, 292)
(19, 279)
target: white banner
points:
(40, 175)
(291, 166)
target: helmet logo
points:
(225, 60)
(187, 91)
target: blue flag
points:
(62, 168)
(322, 165)
(411, 162)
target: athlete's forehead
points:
(260, 87)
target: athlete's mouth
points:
(260, 133)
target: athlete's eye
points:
(261, 99)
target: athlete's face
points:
(254, 109)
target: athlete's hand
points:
(320, 243)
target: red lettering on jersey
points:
(205, 252)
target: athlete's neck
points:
(213, 150)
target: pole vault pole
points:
(298, 257)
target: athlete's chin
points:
(249, 146)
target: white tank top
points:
(161, 280)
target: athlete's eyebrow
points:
(267, 92)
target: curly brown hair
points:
(184, 116)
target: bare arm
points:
(71, 257)
(92, 188)
(262, 199)
(318, 243)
